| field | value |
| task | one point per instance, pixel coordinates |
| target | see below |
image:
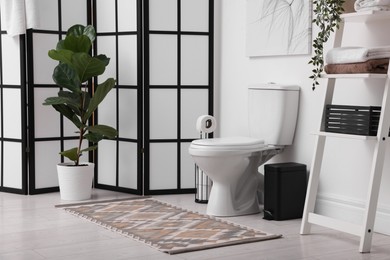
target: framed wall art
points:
(278, 27)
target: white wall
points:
(347, 163)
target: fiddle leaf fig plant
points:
(327, 17)
(73, 74)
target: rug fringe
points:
(99, 201)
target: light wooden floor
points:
(31, 228)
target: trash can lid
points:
(285, 167)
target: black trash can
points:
(284, 190)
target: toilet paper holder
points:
(205, 125)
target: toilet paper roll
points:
(206, 124)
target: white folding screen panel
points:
(163, 114)
(49, 132)
(195, 15)
(49, 21)
(119, 161)
(12, 172)
(12, 113)
(163, 15)
(194, 60)
(194, 103)
(128, 15)
(47, 120)
(163, 169)
(107, 155)
(127, 162)
(178, 89)
(12, 129)
(105, 44)
(127, 60)
(163, 59)
(128, 113)
(10, 69)
(46, 159)
(13, 169)
(105, 11)
(73, 12)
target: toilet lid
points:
(230, 143)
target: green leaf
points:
(100, 93)
(71, 154)
(87, 67)
(91, 148)
(104, 59)
(93, 137)
(76, 121)
(65, 76)
(78, 30)
(74, 100)
(60, 45)
(89, 31)
(327, 17)
(78, 38)
(61, 55)
(55, 101)
(103, 130)
(68, 94)
(70, 114)
(60, 105)
(77, 43)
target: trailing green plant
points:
(327, 16)
(74, 74)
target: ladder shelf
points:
(365, 229)
(355, 76)
(348, 136)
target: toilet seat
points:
(226, 145)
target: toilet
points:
(232, 162)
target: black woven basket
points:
(358, 120)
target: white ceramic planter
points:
(75, 181)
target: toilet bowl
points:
(232, 162)
(232, 165)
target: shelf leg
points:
(372, 198)
(376, 172)
(312, 188)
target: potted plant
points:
(327, 17)
(74, 74)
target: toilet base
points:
(235, 176)
(224, 200)
(219, 211)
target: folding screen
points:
(119, 35)
(48, 131)
(178, 88)
(13, 160)
(162, 59)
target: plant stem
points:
(79, 146)
(82, 128)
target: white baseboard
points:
(351, 210)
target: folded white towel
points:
(371, 5)
(356, 54)
(375, 8)
(19, 15)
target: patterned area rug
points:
(165, 227)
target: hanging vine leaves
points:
(327, 17)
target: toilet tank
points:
(273, 112)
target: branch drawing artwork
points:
(278, 27)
